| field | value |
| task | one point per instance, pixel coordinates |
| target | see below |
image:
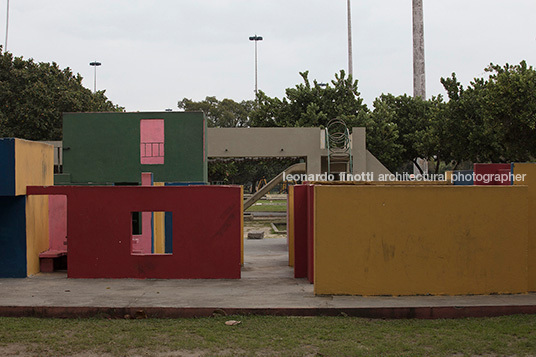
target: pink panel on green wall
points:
(152, 141)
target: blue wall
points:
(7, 167)
(13, 237)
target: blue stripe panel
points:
(185, 184)
(7, 167)
(168, 222)
(13, 237)
(512, 173)
(463, 178)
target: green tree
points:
(34, 95)
(510, 109)
(312, 104)
(383, 136)
(225, 114)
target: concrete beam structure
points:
(267, 142)
(288, 142)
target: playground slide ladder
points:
(291, 170)
(338, 144)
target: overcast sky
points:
(155, 53)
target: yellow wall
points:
(290, 225)
(408, 240)
(34, 165)
(36, 231)
(159, 227)
(529, 169)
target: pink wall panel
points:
(152, 139)
(57, 225)
(142, 243)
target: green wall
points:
(103, 148)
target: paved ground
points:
(267, 287)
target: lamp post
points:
(350, 60)
(7, 25)
(256, 39)
(419, 74)
(95, 64)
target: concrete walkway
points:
(267, 287)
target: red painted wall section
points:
(152, 141)
(300, 231)
(57, 225)
(492, 174)
(206, 231)
(310, 233)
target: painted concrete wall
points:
(408, 240)
(24, 163)
(206, 239)
(13, 263)
(37, 231)
(57, 221)
(290, 225)
(493, 171)
(529, 170)
(23, 221)
(102, 148)
(7, 167)
(34, 165)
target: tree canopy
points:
(493, 119)
(34, 95)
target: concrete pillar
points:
(359, 150)
(419, 77)
(314, 164)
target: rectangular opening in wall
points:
(152, 233)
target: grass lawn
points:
(268, 206)
(269, 336)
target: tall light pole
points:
(95, 64)
(256, 39)
(7, 25)
(419, 77)
(350, 61)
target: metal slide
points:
(299, 168)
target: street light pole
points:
(350, 60)
(256, 39)
(7, 25)
(419, 76)
(95, 64)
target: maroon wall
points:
(300, 231)
(206, 231)
(310, 233)
(304, 231)
(487, 174)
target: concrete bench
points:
(51, 260)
